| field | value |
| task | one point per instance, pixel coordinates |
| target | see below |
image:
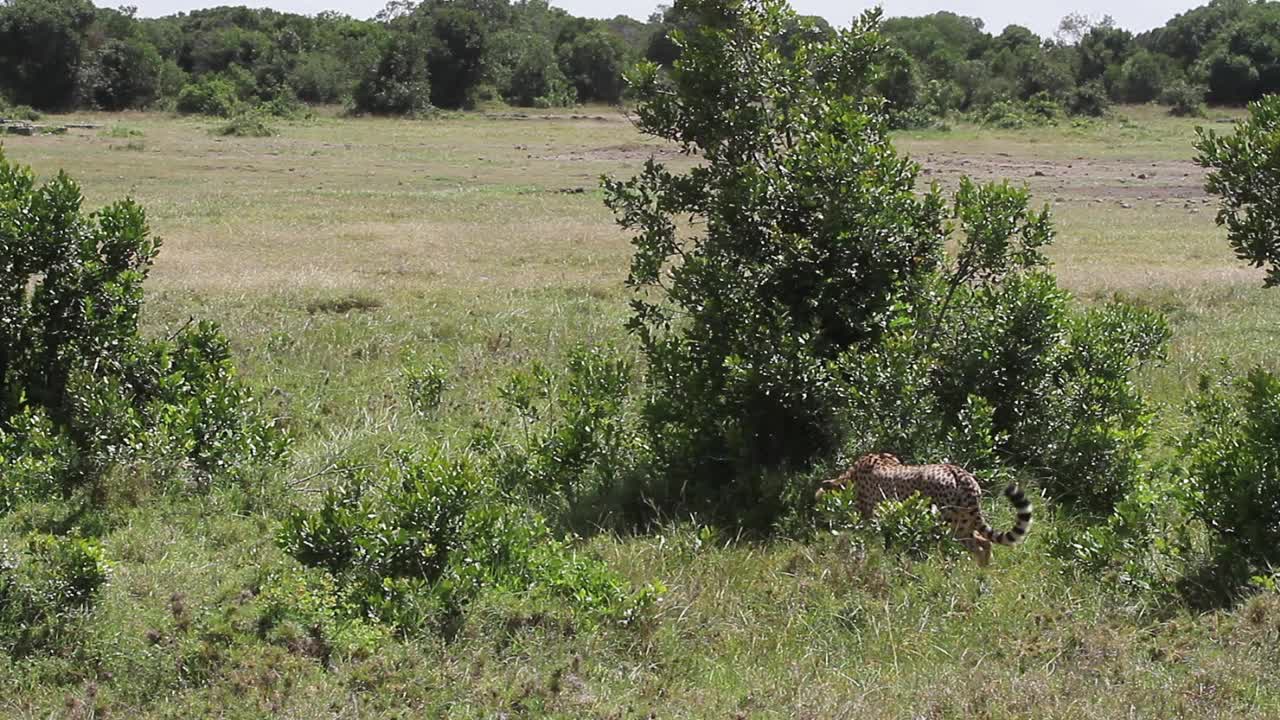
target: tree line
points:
(60, 54)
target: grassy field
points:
(342, 252)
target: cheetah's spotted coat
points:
(951, 488)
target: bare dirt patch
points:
(624, 153)
(1081, 179)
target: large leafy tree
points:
(400, 82)
(41, 45)
(804, 234)
(594, 62)
(457, 38)
(122, 74)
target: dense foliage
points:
(44, 588)
(1232, 450)
(413, 545)
(64, 53)
(1233, 459)
(1245, 172)
(81, 391)
(812, 303)
(415, 55)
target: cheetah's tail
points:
(1022, 506)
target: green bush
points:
(1184, 99)
(43, 589)
(1039, 109)
(1044, 109)
(20, 112)
(1232, 457)
(246, 124)
(536, 79)
(912, 526)
(581, 452)
(424, 384)
(1089, 99)
(320, 77)
(80, 389)
(35, 459)
(1142, 546)
(121, 74)
(837, 510)
(1006, 368)
(195, 402)
(86, 274)
(414, 546)
(1244, 171)
(816, 306)
(303, 610)
(1142, 77)
(285, 106)
(209, 96)
(1059, 383)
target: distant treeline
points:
(60, 54)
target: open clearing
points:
(340, 250)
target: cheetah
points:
(952, 489)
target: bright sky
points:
(1042, 17)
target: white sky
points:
(1042, 17)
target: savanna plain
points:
(341, 254)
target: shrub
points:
(43, 589)
(815, 298)
(425, 384)
(837, 510)
(72, 362)
(87, 274)
(246, 124)
(34, 457)
(581, 451)
(417, 544)
(1090, 99)
(912, 526)
(1142, 546)
(1039, 109)
(1233, 460)
(209, 96)
(304, 611)
(121, 74)
(320, 77)
(536, 79)
(1043, 109)
(1006, 368)
(1059, 383)
(1018, 379)
(193, 399)
(1184, 99)
(25, 113)
(1244, 171)
(284, 105)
